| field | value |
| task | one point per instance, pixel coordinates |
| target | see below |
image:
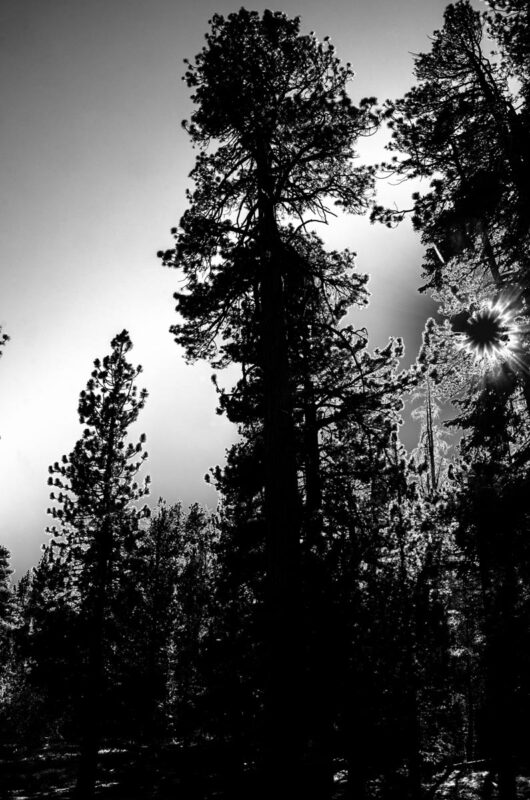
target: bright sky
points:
(94, 167)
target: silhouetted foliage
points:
(276, 131)
(98, 526)
(354, 620)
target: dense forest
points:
(354, 619)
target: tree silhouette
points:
(97, 521)
(6, 605)
(275, 104)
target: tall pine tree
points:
(97, 520)
(275, 104)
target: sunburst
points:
(492, 336)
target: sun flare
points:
(492, 335)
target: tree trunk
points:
(92, 710)
(498, 587)
(283, 706)
(321, 638)
(91, 718)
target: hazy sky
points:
(94, 166)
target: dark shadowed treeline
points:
(354, 620)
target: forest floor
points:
(191, 774)
(466, 785)
(123, 774)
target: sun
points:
(491, 334)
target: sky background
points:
(94, 166)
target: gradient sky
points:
(94, 167)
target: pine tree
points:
(492, 516)
(276, 106)
(151, 628)
(98, 522)
(5, 584)
(166, 629)
(49, 643)
(7, 646)
(193, 619)
(509, 26)
(488, 515)
(341, 424)
(6, 610)
(464, 126)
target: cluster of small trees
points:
(355, 619)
